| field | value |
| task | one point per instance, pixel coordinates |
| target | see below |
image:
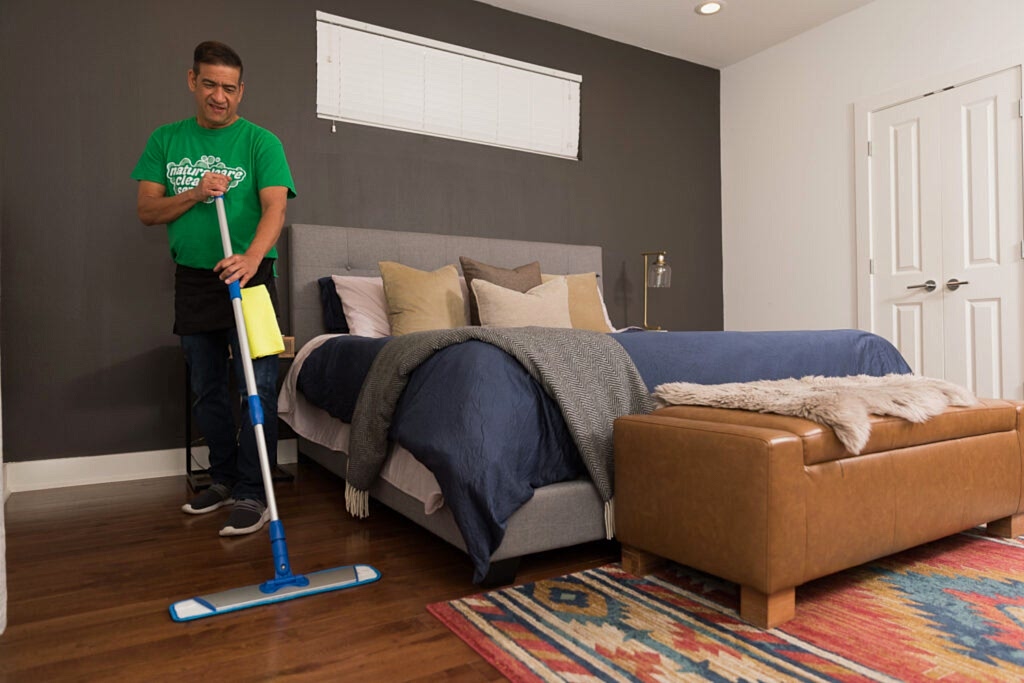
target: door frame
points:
(862, 110)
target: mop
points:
(284, 585)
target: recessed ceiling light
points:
(707, 8)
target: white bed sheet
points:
(401, 469)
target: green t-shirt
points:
(178, 154)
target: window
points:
(375, 76)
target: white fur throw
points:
(842, 403)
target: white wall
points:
(788, 194)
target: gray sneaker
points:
(208, 500)
(247, 516)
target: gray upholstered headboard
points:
(316, 251)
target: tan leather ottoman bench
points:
(770, 502)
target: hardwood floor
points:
(93, 569)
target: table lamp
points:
(657, 275)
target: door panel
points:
(982, 338)
(908, 332)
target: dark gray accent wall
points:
(89, 364)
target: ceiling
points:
(671, 27)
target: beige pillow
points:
(545, 305)
(586, 306)
(419, 300)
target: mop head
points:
(253, 596)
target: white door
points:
(982, 233)
(906, 227)
(945, 208)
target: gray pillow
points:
(521, 279)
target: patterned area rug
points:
(952, 610)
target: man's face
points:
(218, 90)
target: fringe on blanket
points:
(609, 519)
(357, 502)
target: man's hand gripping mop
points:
(284, 585)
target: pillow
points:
(464, 288)
(586, 306)
(521, 279)
(366, 309)
(419, 300)
(545, 305)
(330, 306)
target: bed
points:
(562, 514)
(568, 506)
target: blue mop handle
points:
(277, 540)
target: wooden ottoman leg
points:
(767, 611)
(1007, 527)
(639, 562)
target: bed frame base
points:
(501, 573)
(572, 513)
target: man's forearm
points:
(163, 210)
(242, 267)
(268, 230)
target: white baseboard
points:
(33, 475)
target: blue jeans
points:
(234, 458)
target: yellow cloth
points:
(261, 327)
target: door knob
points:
(954, 284)
(928, 286)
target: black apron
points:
(202, 302)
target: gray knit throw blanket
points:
(842, 403)
(588, 374)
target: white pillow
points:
(545, 305)
(364, 304)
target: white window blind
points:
(375, 76)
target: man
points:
(184, 166)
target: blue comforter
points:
(722, 357)
(502, 436)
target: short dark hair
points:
(212, 52)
